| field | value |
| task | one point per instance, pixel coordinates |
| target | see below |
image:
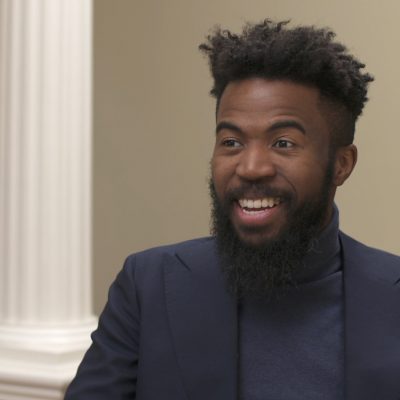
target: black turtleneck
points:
(291, 348)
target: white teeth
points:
(259, 203)
(264, 203)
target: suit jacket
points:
(169, 329)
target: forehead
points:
(262, 99)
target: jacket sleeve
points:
(109, 368)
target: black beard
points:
(258, 271)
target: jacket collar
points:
(203, 323)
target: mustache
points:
(257, 190)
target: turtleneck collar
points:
(323, 259)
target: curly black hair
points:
(302, 54)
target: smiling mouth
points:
(254, 206)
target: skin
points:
(273, 135)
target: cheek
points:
(217, 178)
(306, 177)
(221, 172)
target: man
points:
(278, 303)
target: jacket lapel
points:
(372, 322)
(203, 323)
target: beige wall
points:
(153, 119)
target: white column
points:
(45, 202)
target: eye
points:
(231, 143)
(283, 144)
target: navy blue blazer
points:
(169, 329)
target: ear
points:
(345, 161)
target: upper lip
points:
(259, 192)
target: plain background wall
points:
(154, 120)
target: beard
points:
(260, 270)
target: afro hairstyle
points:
(304, 55)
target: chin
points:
(256, 239)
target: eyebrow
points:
(227, 125)
(287, 123)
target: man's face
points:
(271, 156)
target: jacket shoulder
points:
(377, 262)
(156, 257)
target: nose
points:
(256, 163)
